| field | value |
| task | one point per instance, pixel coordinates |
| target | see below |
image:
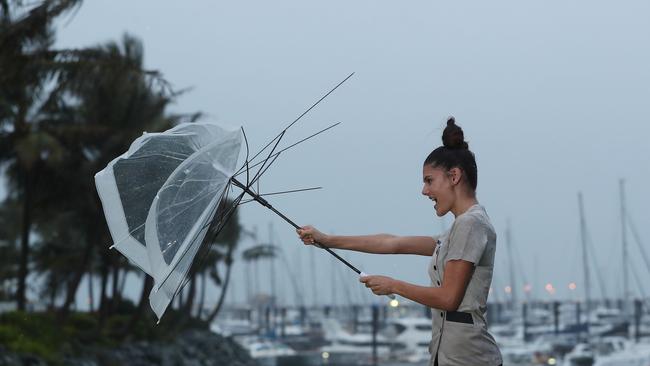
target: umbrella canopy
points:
(160, 197)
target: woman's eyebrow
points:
(426, 177)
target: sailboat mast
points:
(312, 265)
(585, 260)
(274, 294)
(626, 293)
(513, 285)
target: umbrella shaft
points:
(266, 204)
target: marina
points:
(536, 334)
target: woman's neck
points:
(463, 204)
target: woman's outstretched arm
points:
(377, 244)
(446, 297)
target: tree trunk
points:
(185, 305)
(115, 282)
(125, 274)
(137, 315)
(71, 292)
(103, 302)
(222, 296)
(21, 294)
(91, 292)
(179, 300)
(190, 296)
(199, 312)
(52, 303)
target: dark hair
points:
(454, 152)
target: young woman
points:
(462, 259)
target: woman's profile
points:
(462, 259)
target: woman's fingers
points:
(306, 234)
(377, 284)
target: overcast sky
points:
(552, 95)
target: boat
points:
(341, 341)
(410, 338)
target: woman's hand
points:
(310, 235)
(380, 285)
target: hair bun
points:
(452, 136)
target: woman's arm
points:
(377, 244)
(447, 297)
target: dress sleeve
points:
(468, 240)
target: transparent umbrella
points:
(161, 196)
(164, 195)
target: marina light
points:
(572, 286)
(549, 288)
(325, 355)
(552, 361)
(394, 303)
(508, 289)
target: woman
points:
(462, 259)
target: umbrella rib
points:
(303, 114)
(302, 140)
(206, 250)
(259, 174)
(255, 177)
(187, 248)
(291, 191)
(216, 207)
(283, 192)
(245, 165)
(266, 204)
(292, 145)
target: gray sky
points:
(552, 95)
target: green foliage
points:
(40, 334)
(31, 333)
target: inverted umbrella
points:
(160, 198)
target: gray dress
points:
(471, 238)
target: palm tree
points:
(25, 40)
(222, 247)
(63, 115)
(53, 253)
(116, 102)
(9, 236)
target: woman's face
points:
(439, 187)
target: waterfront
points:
(555, 333)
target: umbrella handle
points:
(363, 274)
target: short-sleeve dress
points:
(461, 337)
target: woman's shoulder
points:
(476, 217)
(474, 214)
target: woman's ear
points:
(455, 174)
